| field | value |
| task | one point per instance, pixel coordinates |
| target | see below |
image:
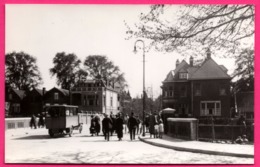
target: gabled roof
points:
(63, 91)
(223, 68)
(209, 70)
(20, 93)
(182, 65)
(170, 76)
(39, 91)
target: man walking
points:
(132, 123)
(107, 126)
(119, 127)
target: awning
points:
(168, 110)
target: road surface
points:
(35, 146)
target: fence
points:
(224, 132)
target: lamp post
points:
(135, 50)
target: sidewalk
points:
(236, 150)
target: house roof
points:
(209, 69)
(64, 91)
(39, 91)
(20, 93)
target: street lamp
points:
(135, 51)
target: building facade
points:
(14, 102)
(197, 90)
(96, 97)
(57, 96)
(34, 101)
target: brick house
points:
(96, 97)
(197, 91)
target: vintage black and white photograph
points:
(129, 84)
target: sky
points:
(44, 30)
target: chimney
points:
(191, 61)
(177, 63)
(208, 53)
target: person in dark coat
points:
(41, 121)
(119, 127)
(132, 123)
(113, 119)
(97, 124)
(92, 128)
(106, 126)
(33, 122)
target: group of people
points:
(156, 126)
(120, 124)
(33, 121)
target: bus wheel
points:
(51, 133)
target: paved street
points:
(35, 146)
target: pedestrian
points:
(41, 121)
(113, 119)
(33, 122)
(156, 130)
(132, 124)
(161, 129)
(138, 125)
(151, 124)
(92, 127)
(97, 124)
(126, 123)
(242, 122)
(119, 127)
(106, 126)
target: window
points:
(56, 96)
(170, 93)
(222, 90)
(183, 91)
(210, 108)
(16, 108)
(183, 75)
(165, 93)
(84, 101)
(111, 101)
(197, 89)
(104, 100)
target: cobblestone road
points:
(35, 146)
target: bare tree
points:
(195, 27)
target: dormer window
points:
(183, 75)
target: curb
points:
(198, 150)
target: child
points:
(161, 129)
(156, 130)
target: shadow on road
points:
(33, 137)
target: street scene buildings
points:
(78, 94)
